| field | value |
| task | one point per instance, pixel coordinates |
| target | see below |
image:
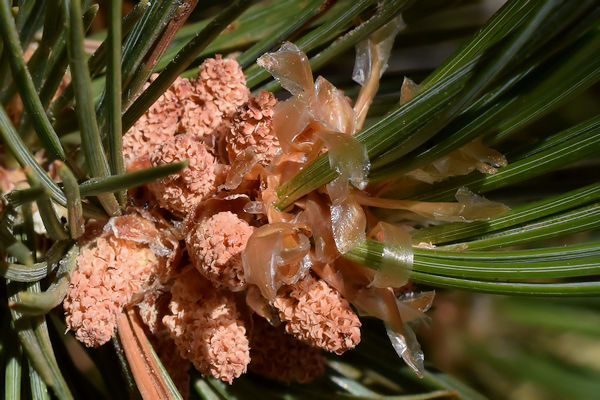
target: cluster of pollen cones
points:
(178, 254)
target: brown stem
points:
(144, 367)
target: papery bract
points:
(242, 165)
(348, 224)
(255, 207)
(488, 159)
(473, 155)
(290, 118)
(407, 347)
(290, 66)
(412, 306)
(318, 218)
(261, 306)
(470, 207)
(276, 254)
(223, 202)
(408, 91)
(142, 227)
(347, 156)
(332, 107)
(477, 207)
(397, 256)
(375, 50)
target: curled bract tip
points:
(408, 348)
(372, 54)
(276, 254)
(290, 66)
(476, 208)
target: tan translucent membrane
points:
(372, 56)
(290, 66)
(478, 207)
(240, 167)
(234, 203)
(474, 155)
(412, 308)
(318, 217)
(146, 228)
(255, 207)
(268, 196)
(383, 40)
(318, 106)
(333, 108)
(407, 346)
(276, 254)
(397, 256)
(261, 306)
(408, 91)
(143, 230)
(348, 219)
(470, 207)
(347, 156)
(323, 112)
(489, 160)
(290, 118)
(348, 223)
